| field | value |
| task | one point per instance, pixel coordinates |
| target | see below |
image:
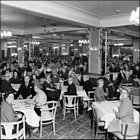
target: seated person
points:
(109, 87)
(120, 76)
(124, 113)
(75, 80)
(100, 94)
(15, 79)
(8, 114)
(71, 90)
(87, 86)
(5, 84)
(136, 81)
(127, 80)
(50, 90)
(26, 89)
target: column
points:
(20, 49)
(94, 51)
(136, 53)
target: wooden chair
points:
(128, 131)
(48, 112)
(13, 130)
(135, 98)
(70, 102)
(90, 99)
(97, 124)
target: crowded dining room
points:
(70, 70)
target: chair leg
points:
(40, 129)
(75, 112)
(54, 127)
(64, 111)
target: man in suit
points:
(87, 85)
(26, 89)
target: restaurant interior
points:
(101, 31)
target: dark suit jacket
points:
(26, 91)
(6, 86)
(71, 90)
(120, 77)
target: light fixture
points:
(134, 18)
(83, 41)
(5, 34)
(35, 43)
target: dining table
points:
(80, 92)
(105, 112)
(27, 107)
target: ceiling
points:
(19, 18)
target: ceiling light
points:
(134, 18)
(5, 34)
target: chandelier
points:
(5, 34)
(134, 18)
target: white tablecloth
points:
(105, 111)
(80, 92)
(27, 107)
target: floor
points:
(68, 128)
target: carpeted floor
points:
(68, 128)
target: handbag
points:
(114, 126)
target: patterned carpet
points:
(68, 128)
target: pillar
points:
(136, 53)
(94, 51)
(20, 49)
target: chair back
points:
(129, 130)
(90, 93)
(135, 96)
(70, 100)
(12, 130)
(48, 111)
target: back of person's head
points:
(7, 93)
(85, 77)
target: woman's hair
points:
(7, 93)
(99, 81)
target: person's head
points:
(70, 80)
(48, 76)
(26, 79)
(123, 93)
(107, 75)
(85, 77)
(127, 73)
(137, 67)
(34, 76)
(6, 76)
(15, 74)
(37, 87)
(9, 96)
(100, 83)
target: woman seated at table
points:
(71, 90)
(100, 94)
(7, 112)
(124, 113)
(49, 88)
(15, 79)
(40, 98)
